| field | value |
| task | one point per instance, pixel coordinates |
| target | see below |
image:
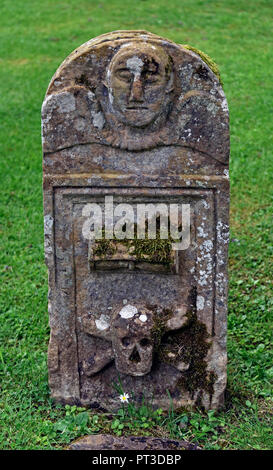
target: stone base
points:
(108, 442)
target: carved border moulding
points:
(144, 120)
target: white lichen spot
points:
(222, 232)
(111, 97)
(226, 173)
(135, 65)
(212, 108)
(128, 311)
(203, 278)
(200, 302)
(98, 120)
(205, 204)
(201, 232)
(47, 248)
(143, 318)
(220, 283)
(209, 268)
(79, 124)
(91, 95)
(66, 102)
(48, 224)
(224, 105)
(102, 323)
(207, 245)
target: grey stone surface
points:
(144, 120)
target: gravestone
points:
(132, 120)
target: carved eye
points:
(151, 74)
(144, 342)
(126, 341)
(124, 74)
(151, 77)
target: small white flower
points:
(124, 397)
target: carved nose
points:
(135, 357)
(136, 91)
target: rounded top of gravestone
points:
(135, 91)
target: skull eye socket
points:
(126, 341)
(144, 342)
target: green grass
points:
(35, 37)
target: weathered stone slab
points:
(108, 442)
(133, 119)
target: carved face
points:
(139, 81)
(132, 340)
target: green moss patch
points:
(161, 316)
(207, 59)
(189, 345)
(104, 248)
(155, 251)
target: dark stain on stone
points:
(202, 72)
(83, 80)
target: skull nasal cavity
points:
(135, 357)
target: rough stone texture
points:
(137, 117)
(108, 442)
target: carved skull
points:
(132, 340)
(131, 333)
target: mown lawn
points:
(35, 37)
